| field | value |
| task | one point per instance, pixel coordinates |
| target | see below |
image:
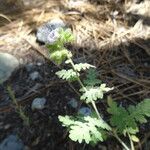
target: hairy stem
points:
(81, 84)
(95, 108)
(121, 142)
(131, 142)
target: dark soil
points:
(45, 131)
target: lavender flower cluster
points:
(48, 33)
(53, 36)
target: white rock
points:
(39, 64)
(8, 64)
(38, 103)
(56, 23)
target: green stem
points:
(12, 96)
(94, 105)
(81, 84)
(73, 66)
(95, 108)
(121, 142)
(131, 142)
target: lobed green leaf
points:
(83, 66)
(91, 78)
(94, 93)
(69, 75)
(125, 120)
(66, 36)
(86, 129)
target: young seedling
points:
(18, 108)
(92, 129)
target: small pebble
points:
(12, 142)
(73, 103)
(8, 63)
(35, 75)
(39, 64)
(146, 64)
(7, 126)
(85, 111)
(38, 103)
(29, 67)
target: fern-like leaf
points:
(94, 93)
(82, 66)
(67, 121)
(140, 111)
(125, 119)
(59, 56)
(66, 36)
(69, 75)
(86, 129)
(119, 117)
(91, 78)
(54, 47)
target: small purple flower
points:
(53, 36)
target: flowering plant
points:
(92, 128)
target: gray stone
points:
(12, 142)
(8, 64)
(38, 103)
(35, 75)
(29, 67)
(39, 64)
(45, 30)
(85, 111)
